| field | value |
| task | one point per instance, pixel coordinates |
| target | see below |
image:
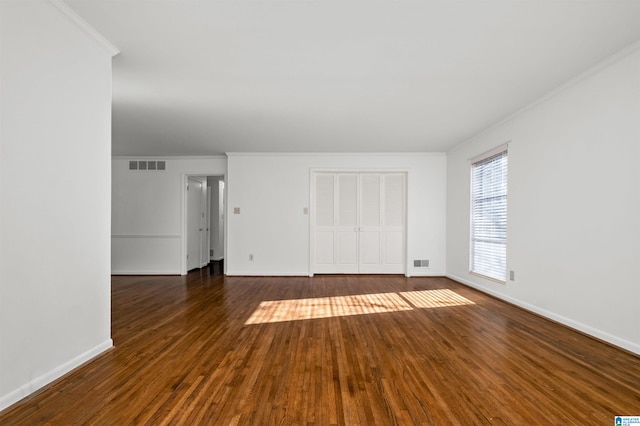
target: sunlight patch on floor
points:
(326, 307)
(435, 298)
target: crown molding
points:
(76, 19)
(336, 154)
(169, 157)
(594, 70)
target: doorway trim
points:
(312, 207)
(184, 179)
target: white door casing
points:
(220, 222)
(202, 175)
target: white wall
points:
(147, 233)
(273, 189)
(574, 198)
(55, 153)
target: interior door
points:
(194, 223)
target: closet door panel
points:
(371, 253)
(325, 248)
(370, 208)
(394, 248)
(348, 200)
(346, 229)
(393, 259)
(348, 249)
(324, 223)
(325, 200)
(370, 221)
(394, 201)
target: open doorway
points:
(203, 223)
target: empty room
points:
(319, 212)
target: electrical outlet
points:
(251, 257)
(512, 275)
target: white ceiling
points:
(207, 77)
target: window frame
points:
(502, 235)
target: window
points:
(489, 215)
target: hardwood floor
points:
(329, 350)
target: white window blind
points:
(489, 216)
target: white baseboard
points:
(266, 274)
(308, 274)
(146, 272)
(426, 274)
(591, 331)
(39, 382)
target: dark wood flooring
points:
(333, 350)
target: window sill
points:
(488, 278)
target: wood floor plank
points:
(345, 350)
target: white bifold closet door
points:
(359, 223)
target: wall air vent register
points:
(147, 165)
